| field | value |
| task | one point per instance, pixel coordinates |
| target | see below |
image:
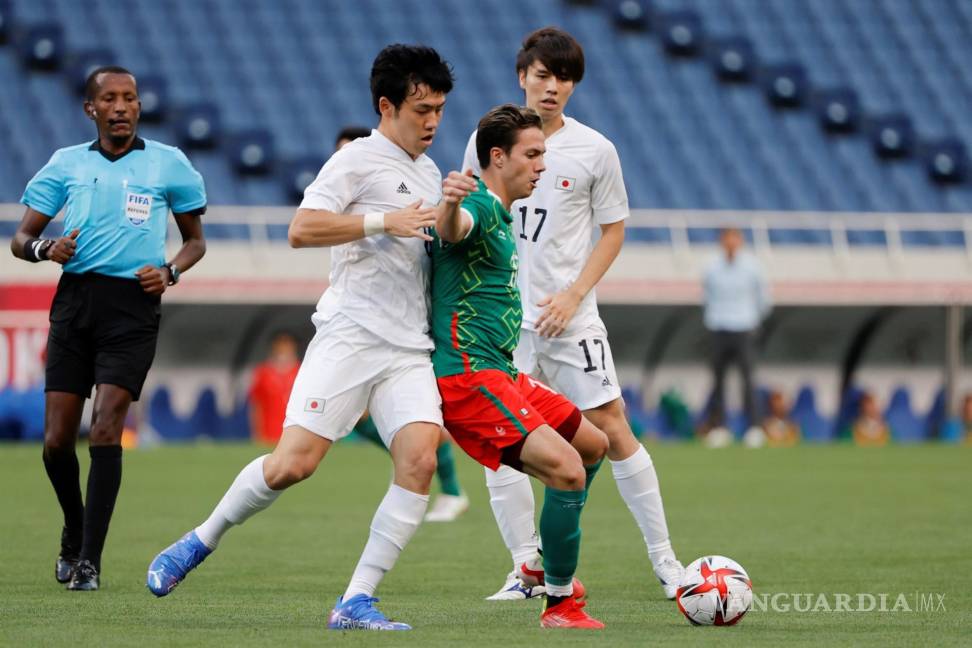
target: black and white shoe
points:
(85, 577)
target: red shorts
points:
(490, 414)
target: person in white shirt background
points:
(736, 300)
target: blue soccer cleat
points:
(359, 613)
(174, 562)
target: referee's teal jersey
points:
(120, 204)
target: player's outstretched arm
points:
(323, 228)
(560, 307)
(450, 223)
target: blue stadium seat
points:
(681, 32)
(733, 58)
(905, 426)
(42, 47)
(299, 173)
(838, 110)
(633, 15)
(6, 21)
(785, 84)
(153, 92)
(892, 136)
(251, 152)
(813, 427)
(84, 63)
(198, 126)
(946, 160)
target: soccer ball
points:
(714, 591)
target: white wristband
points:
(374, 223)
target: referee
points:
(117, 192)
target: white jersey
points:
(581, 189)
(380, 282)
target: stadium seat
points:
(733, 58)
(42, 47)
(785, 84)
(297, 174)
(252, 152)
(84, 63)
(681, 32)
(839, 110)
(632, 14)
(946, 160)
(813, 427)
(198, 126)
(6, 21)
(153, 92)
(892, 136)
(905, 426)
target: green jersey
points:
(476, 311)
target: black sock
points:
(104, 479)
(62, 469)
(554, 600)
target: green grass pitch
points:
(808, 520)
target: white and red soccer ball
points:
(714, 590)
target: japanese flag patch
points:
(564, 183)
(315, 405)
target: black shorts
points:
(103, 331)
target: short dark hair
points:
(500, 127)
(91, 84)
(399, 68)
(556, 49)
(352, 133)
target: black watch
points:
(173, 273)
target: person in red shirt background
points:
(272, 382)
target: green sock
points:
(560, 530)
(366, 430)
(591, 472)
(446, 470)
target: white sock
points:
(638, 485)
(394, 524)
(560, 590)
(247, 495)
(511, 497)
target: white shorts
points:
(580, 367)
(347, 369)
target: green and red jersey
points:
(476, 310)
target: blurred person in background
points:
(781, 431)
(967, 419)
(348, 134)
(736, 300)
(272, 381)
(870, 429)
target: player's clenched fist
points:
(410, 221)
(457, 186)
(63, 248)
(152, 279)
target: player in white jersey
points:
(371, 203)
(563, 337)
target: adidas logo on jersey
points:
(402, 189)
(606, 382)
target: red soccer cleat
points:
(569, 613)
